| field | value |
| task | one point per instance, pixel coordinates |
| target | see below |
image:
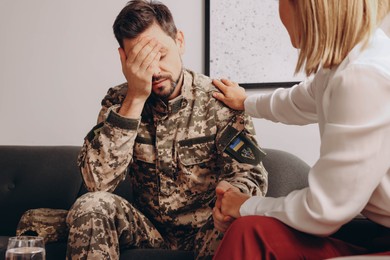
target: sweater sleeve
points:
(353, 167)
(295, 105)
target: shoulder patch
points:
(244, 150)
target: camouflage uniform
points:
(47, 223)
(175, 156)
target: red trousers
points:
(259, 237)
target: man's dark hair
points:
(138, 15)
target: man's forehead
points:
(154, 31)
(130, 43)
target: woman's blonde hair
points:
(331, 28)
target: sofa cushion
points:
(3, 246)
(161, 254)
(36, 177)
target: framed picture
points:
(247, 43)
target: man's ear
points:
(180, 41)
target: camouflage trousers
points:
(102, 223)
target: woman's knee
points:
(254, 225)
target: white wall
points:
(58, 58)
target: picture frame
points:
(247, 43)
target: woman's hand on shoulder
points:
(232, 94)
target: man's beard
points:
(173, 83)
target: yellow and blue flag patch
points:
(245, 150)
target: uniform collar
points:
(174, 105)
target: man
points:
(177, 142)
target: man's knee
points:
(96, 203)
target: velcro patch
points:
(244, 150)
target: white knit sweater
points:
(351, 104)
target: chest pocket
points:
(197, 150)
(144, 150)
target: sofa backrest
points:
(36, 177)
(40, 177)
(48, 177)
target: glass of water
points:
(25, 248)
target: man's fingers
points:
(219, 224)
(142, 57)
(220, 227)
(144, 53)
(154, 64)
(220, 191)
(134, 51)
(228, 219)
(217, 214)
(218, 203)
(224, 185)
(151, 57)
(140, 52)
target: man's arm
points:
(242, 170)
(138, 66)
(240, 159)
(108, 147)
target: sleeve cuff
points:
(256, 105)
(250, 105)
(249, 206)
(122, 122)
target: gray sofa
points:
(47, 177)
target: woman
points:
(349, 97)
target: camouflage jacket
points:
(174, 153)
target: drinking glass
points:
(25, 248)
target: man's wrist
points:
(132, 108)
